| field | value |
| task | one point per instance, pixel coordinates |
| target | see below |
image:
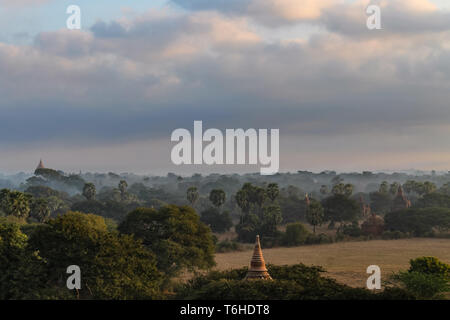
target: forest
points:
(135, 236)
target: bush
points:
(218, 222)
(295, 282)
(228, 246)
(352, 230)
(423, 285)
(429, 265)
(427, 278)
(318, 239)
(419, 222)
(296, 234)
(394, 235)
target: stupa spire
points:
(40, 165)
(258, 268)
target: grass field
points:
(347, 261)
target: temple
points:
(258, 268)
(40, 165)
(365, 208)
(400, 201)
(307, 201)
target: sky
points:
(107, 97)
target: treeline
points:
(136, 261)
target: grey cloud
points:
(114, 84)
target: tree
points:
(324, 190)
(295, 234)
(393, 188)
(339, 208)
(343, 189)
(271, 219)
(384, 187)
(272, 191)
(89, 191)
(40, 209)
(175, 234)
(315, 214)
(427, 278)
(217, 197)
(243, 201)
(123, 185)
(113, 266)
(19, 267)
(380, 202)
(218, 222)
(418, 221)
(192, 195)
(15, 203)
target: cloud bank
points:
(341, 95)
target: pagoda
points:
(307, 201)
(40, 165)
(258, 270)
(400, 201)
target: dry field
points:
(347, 261)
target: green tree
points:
(295, 234)
(315, 214)
(340, 208)
(343, 189)
(393, 188)
(272, 191)
(113, 266)
(192, 195)
(218, 222)
(380, 202)
(384, 187)
(243, 201)
(324, 190)
(217, 197)
(19, 267)
(40, 209)
(123, 185)
(89, 191)
(271, 219)
(15, 203)
(175, 234)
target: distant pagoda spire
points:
(400, 201)
(40, 165)
(307, 201)
(258, 268)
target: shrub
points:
(419, 222)
(429, 265)
(318, 239)
(294, 282)
(228, 246)
(423, 285)
(352, 230)
(389, 235)
(427, 278)
(296, 234)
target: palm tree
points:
(19, 204)
(272, 191)
(217, 197)
(40, 209)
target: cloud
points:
(138, 79)
(21, 3)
